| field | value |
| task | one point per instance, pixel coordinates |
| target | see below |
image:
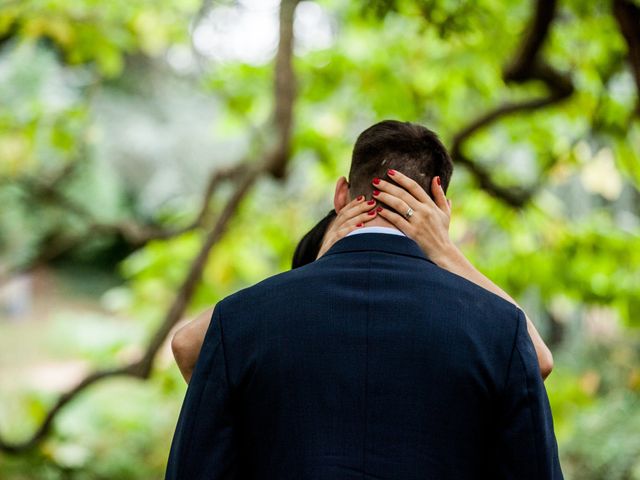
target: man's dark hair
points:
(408, 147)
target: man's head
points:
(410, 148)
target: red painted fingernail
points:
(376, 192)
(391, 172)
(379, 209)
(371, 202)
(438, 179)
(360, 224)
(372, 212)
(360, 197)
(376, 181)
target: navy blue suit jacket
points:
(369, 363)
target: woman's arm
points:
(187, 342)
(454, 261)
(429, 227)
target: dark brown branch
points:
(244, 176)
(284, 94)
(515, 196)
(132, 232)
(190, 283)
(627, 15)
(533, 40)
(493, 115)
(285, 89)
(63, 400)
(526, 66)
(142, 368)
(135, 234)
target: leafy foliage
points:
(570, 256)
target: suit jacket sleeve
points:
(527, 447)
(203, 445)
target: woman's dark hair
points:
(308, 248)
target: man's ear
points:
(341, 195)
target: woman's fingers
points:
(354, 205)
(353, 213)
(392, 201)
(399, 221)
(354, 208)
(438, 193)
(357, 221)
(409, 184)
(395, 191)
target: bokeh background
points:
(156, 156)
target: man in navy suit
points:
(372, 362)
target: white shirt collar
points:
(376, 229)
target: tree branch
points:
(285, 90)
(627, 15)
(526, 66)
(245, 176)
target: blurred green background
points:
(158, 156)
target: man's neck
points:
(380, 222)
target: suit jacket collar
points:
(379, 242)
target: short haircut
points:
(408, 147)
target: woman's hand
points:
(429, 224)
(352, 216)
